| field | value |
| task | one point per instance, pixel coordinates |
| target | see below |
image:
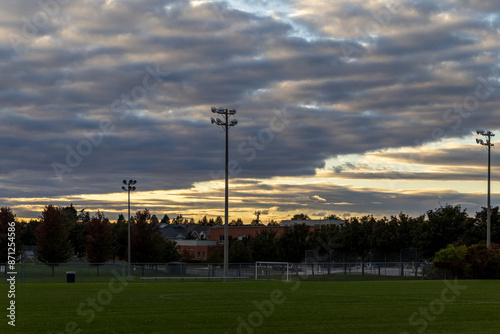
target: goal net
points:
(272, 271)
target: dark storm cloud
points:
(300, 100)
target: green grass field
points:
(255, 307)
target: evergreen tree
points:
(165, 220)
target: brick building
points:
(199, 250)
(239, 232)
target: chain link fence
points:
(82, 272)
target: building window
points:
(203, 255)
(198, 255)
(221, 239)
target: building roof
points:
(313, 222)
(176, 231)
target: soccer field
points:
(256, 307)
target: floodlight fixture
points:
(487, 142)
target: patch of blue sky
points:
(281, 10)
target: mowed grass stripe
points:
(256, 307)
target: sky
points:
(358, 107)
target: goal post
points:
(272, 271)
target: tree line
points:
(62, 232)
(370, 239)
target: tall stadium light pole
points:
(129, 187)
(225, 124)
(488, 145)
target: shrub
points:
(452, 258)
(475, 261)
(483, 262)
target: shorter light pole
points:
(130, 187)
(488, 145)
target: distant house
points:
(196, 231)
(185, 231)
(174, 232)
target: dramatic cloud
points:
(330, 95)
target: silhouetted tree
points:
(168, 251)
(99, 239)
(238, 252)
(147, 242)
(53, 245)
(323, 242)
(179, 220)
(263, 247)
(300, 216)
(77, 227)
(237, 222)
(273, 222)
(165, 220)
(203, 221)
(9, 235)
(154, 219)
(120, 238)
(443, 226)
(332, 216)
(292, 244)
(353, 238)
(481, 222)
(27, 233)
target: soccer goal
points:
(272, 271)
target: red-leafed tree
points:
(9, 235)
(52, 237)
(99, 239)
